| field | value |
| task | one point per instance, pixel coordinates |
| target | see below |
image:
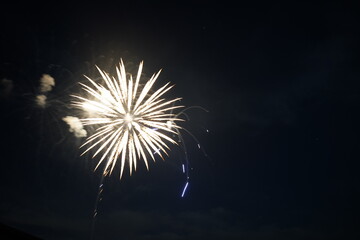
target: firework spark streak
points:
(132, 120)
(184, 190)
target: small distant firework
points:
(132, 120)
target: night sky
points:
(280, 81)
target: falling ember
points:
(184, 190)
(132, 120)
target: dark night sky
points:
(280, 81)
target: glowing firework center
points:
(130, 122)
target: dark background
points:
(280, 81)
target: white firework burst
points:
(132, 120)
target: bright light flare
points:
(132, 120)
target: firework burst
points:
(133, 121)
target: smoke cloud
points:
(46, 83)
(76, 126)
(40, 100)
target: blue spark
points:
(186, 185)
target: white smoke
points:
(75, 126)
(46, 83)
(40, 100)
